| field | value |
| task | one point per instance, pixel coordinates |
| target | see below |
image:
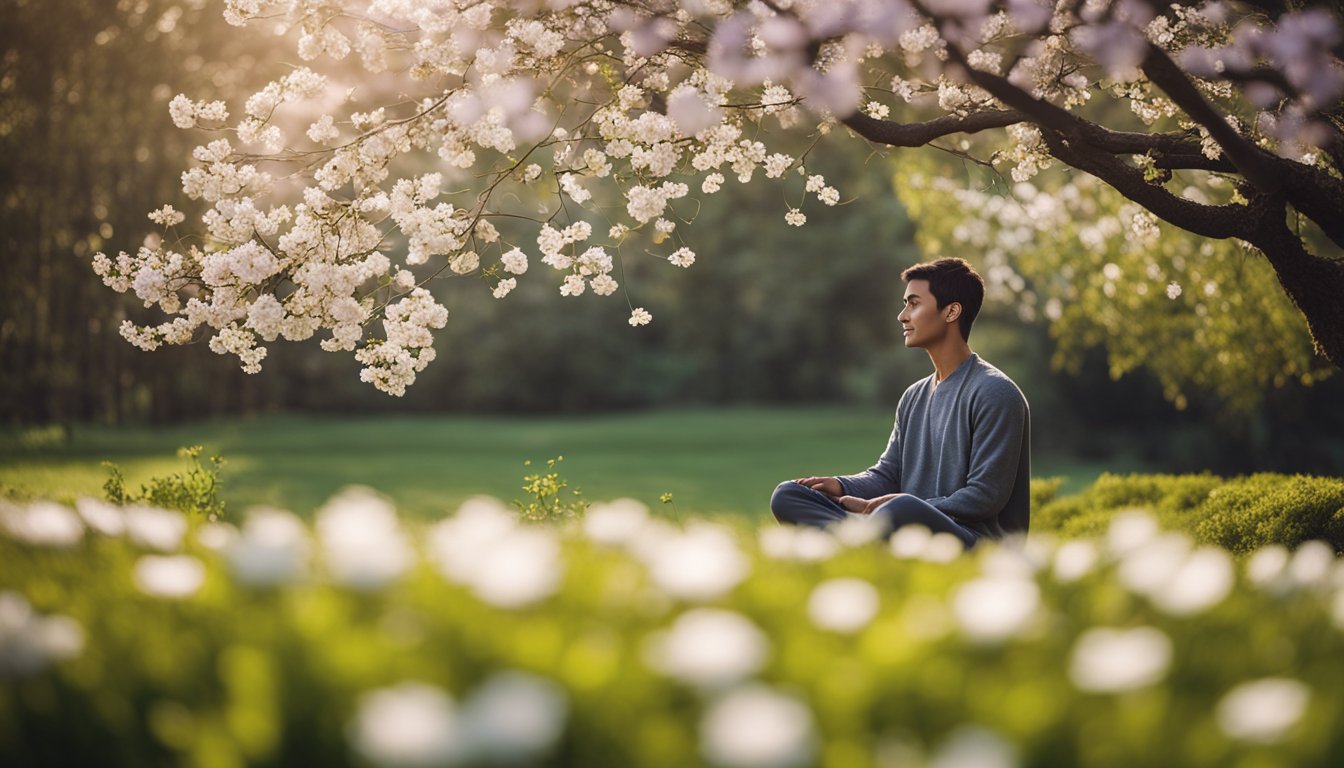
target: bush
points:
(129, 637)
(1241, 514)
(195, 491)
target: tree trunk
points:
(1314, 283)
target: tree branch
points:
(1255, 164)
(918, 134)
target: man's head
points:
(956, 291)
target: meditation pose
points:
(959, 457)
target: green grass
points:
(713, 461)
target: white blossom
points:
(1263, 711)
(172, 576)
(1110, 660)
(757, 727)
(843, 605)
(709, 648)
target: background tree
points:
(595, 99)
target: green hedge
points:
(1240, 514)
(626, 640)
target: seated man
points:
(959, 458)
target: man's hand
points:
(827, 485)
(864, 506)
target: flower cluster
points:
(630, 111)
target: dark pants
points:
(796, 504)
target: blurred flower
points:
(796, 542)
(854, 530)
(1312, 564)
(756, 727)
(216, 537)
(160, 529)
(272, 549)
(993, 609)
(363, 545)
(1264, 710)
(1130, 529)
(1005, 561)
(908, 541)
(107, 519)
(843, 605)
(616, 522)
(701, 563)
(42, 523)
(1074, 560)
(174, 576)
(1266, 567)
(1106, 660)
(506, 565)
(29, 641)
(1201, 582)
(1146, 568)
(708, 647)
(971, 746)
(411, 725)
(514, 717)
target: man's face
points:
(921, 321)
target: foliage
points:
(548, 498)
(195, 491)
(1242, 514)
(625, 640)
(565, 120)
(1106, 274)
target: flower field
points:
(132, 635)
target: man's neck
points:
(948, 357)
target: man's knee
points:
(903, 509)
(787, 500)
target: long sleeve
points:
(883, 477)
(999, 420)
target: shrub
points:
(195, 491)
(1241, 514)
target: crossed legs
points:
(796, 504)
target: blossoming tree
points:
(502, 131)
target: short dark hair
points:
(951, 281)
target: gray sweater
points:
(964, 447)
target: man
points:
(959, 458)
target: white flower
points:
(712, 183)
(1312, 564)
(362, 544)
(971, 746)
(994, 609)
(708, 648)
(411, 725)
(843, 605)
(757, 727)
(701, 563)
(42, 523)
(155, 528)
(1106, 660)
(1202, 581)
(1130, 529)
(795, 217)
(107, 519)
(798, 543)
(603, 285)
(616, 522)
(1173, 290)
(182, 110)
(30, 641)
(464, 263)
(682, 257)
(1263, 711)
(272, 549)
(640, 316)
(503, 287)
(173, 576)
(514, 718)
(909, 541)
(1074, 560)
(167, 216)
(485, 549)
(514, 261)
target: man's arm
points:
(882, 478)
(999, 418)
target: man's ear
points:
(953, 311)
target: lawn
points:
(713, 461)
